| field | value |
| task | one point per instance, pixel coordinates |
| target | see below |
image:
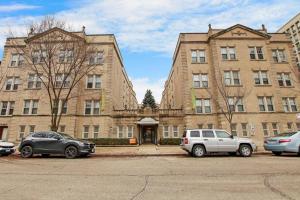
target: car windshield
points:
(66, 136)
(287, 134)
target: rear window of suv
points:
(195, 134)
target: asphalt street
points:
(150, 177)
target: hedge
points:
(110, 141)
(170, 141)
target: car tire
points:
(45, 155)
(71, 152)
(245, 150)
(26, 151)
(276, 153)
(199, 151)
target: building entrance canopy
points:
(147, 121)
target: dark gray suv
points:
(50, 142)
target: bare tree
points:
(58, 60)
(2, 76)
(229, 100)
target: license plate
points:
(272, 142)
(7, 150)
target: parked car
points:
(283, 143)
(50, 142)
(198, 142)
(6, 148)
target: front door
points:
(148, 134)
(226, 143)
(210, 141)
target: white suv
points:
(198, 142)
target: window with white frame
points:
(7, 108)
(60, 106)
(265, 104)
(256, 53)
(233, 129)
(39, 56)
(16, 60)
(21, 131)
(66, 56)
(245, 129)
(96, 58)
(166, 131)
(279, 55)
(236, 104)
(92, 107)
(228, 53)
(12, 83)
(265, 129)
(198, 56)
(129, 131)
(200, 80)
(93, 82)
(96, 131)
(284, 79)
(85, 133)
(30, 107)
(261, 78)
(175, 132)
(34, 81)
(121, 132)
(62, 81)
(200, 126)
(203, 106)
(232, 78)
(275, 128)
(289, 104)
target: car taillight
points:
(266, 142)
(186, 141)
(284, 140)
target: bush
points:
(110, 141)
(170, 141)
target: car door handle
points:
(205, 139)
(221, 140)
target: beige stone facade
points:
(292, 28)
(255, 60)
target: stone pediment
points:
(147, 121)
(240, 31)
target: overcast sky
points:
(147, 30)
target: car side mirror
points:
(57, 138)
(231, 136)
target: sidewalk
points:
(146, 150)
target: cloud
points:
(140, 85)
(16, 7)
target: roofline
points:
(288, 21)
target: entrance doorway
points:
(3, 133)
(148, 134)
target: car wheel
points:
(71, 152)
(199, 151)
(245, 150)
(276, 153)
(26, 151)
(45, 155)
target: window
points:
(166, 131)
(275, 128)
(34, 81)
(66, 56)
(39, 56)
(284, 79)
(120, 132)
(62, 81)
(200, 80)
(228, 53)
(21, 131)
(236, 104)
(60, 106)
(290, 126)
(93, 81)
(233, 129)
(244, 129)
(265, 129)
(96, 131)
(16, 60)
(298, 126)
(7, 108)
(198, 56)
(175, 132)
(200, 126)
(265, 104)
(86, 132)
(261, 78)
(210, 126)
(96, 58)
(278, 56)
(62, 128)
(130, 131)
(203, 106)
(222, 134)
(92, 107)
(63, 106)
(30, 107)
(208, 134)
(195, 134)
(232, 78)
(289, 104)
(256, 53)
(31, 129)
(12, 83)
